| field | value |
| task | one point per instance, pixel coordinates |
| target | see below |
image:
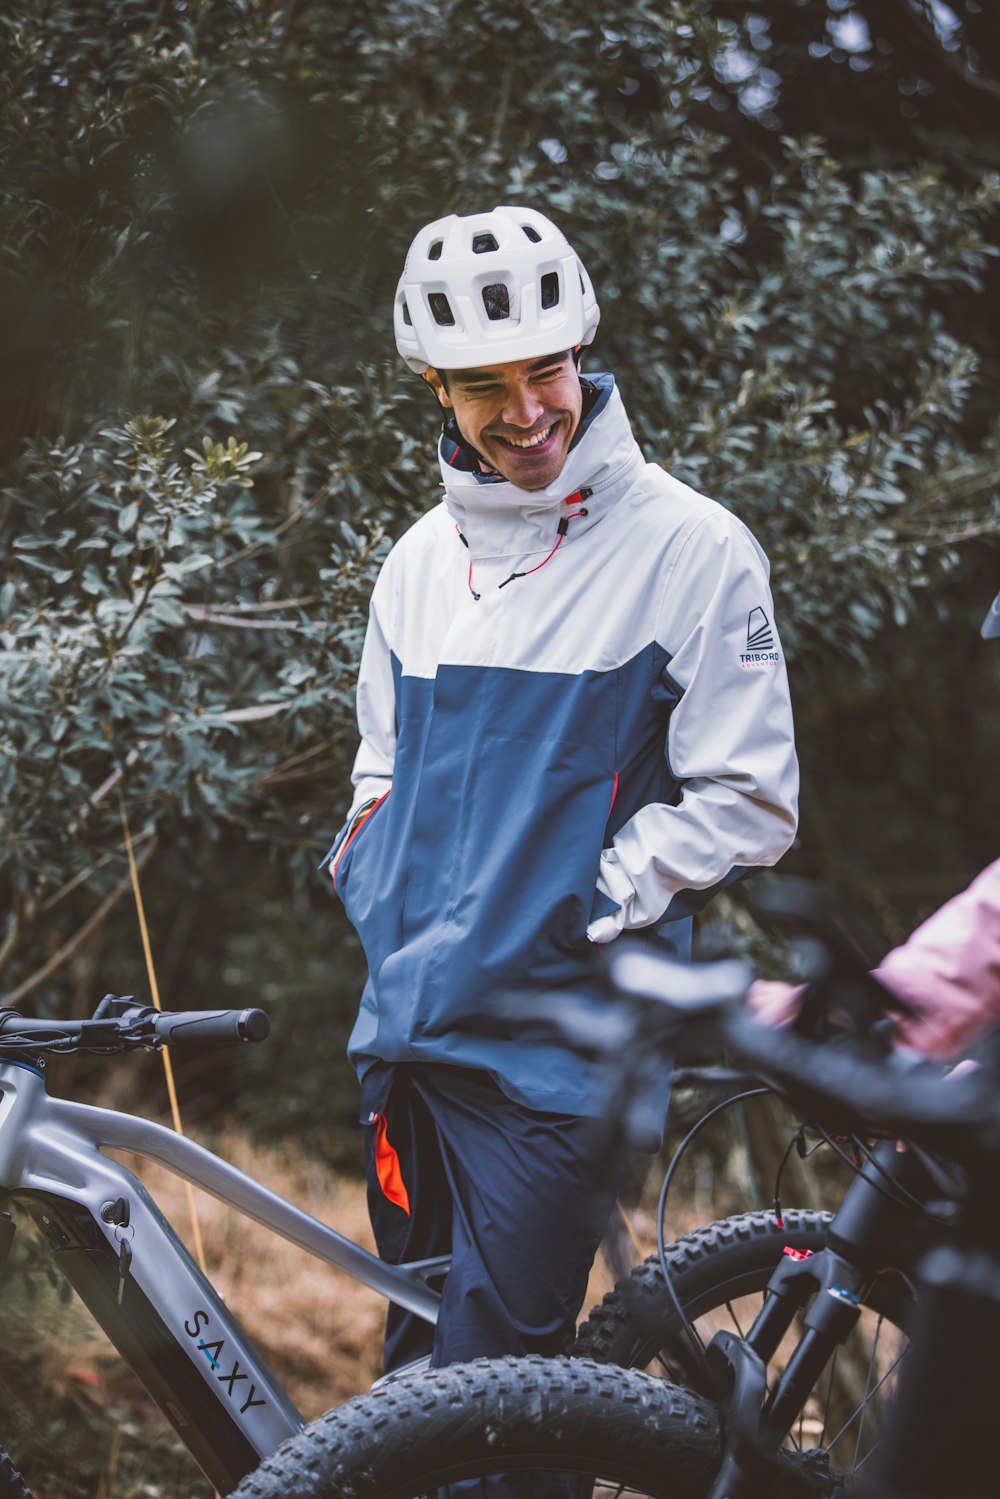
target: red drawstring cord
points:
(462, 539)
(563, 527)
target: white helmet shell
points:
(490, 288)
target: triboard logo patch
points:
(760, 647)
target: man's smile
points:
(532, 440)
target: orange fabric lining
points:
(390, 1177)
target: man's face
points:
(520, 417)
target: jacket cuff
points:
(612, 901)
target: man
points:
(574, 723)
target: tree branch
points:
(84, 874)
(90, 926)
(208, 616)
(255, 547)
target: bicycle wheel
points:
(512, 1428)
(719, 1274)
(12, 1485)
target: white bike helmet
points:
(489, 288)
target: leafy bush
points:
(212, 441)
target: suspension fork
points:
(756, 1423)
(875, 1227)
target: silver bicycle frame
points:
(143, 1287)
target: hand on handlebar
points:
(775, 1002)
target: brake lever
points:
(123, 1020)
(115, 1006)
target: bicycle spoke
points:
(732, 1312)
(867, 1394)
(861, 1409)
(829, 1396)
(811, 1431)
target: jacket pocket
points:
(338, 864)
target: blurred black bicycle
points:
(914, 1246)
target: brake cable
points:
(661, 1247)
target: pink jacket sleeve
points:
(949, 971)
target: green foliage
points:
(204, 213)
(146, 623)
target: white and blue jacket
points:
(568, 731)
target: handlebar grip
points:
(196, 1027)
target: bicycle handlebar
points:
(851, 1081)
(847, 1083)
(120, 1024)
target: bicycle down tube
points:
(133, 1273)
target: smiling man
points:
(574, 724)
(520, 417)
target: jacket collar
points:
(497, 519)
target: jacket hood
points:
(498, 519)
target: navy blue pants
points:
(456, 1167)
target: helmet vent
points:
(406, 315)
(496, 300)
(434, 253)
(550, 289)
(441, 309)
(483, 243)
(532, 234)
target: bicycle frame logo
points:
(213, 1352)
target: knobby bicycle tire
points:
(734, 1257)
(12, 1485)
(521, 1419)
(719, 1274)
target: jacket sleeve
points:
(949, 971)
(729, 744)
(376, 711)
